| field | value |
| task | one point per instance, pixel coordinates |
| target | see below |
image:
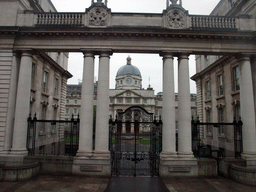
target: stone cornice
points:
(211, 67)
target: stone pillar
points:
(168, 111)
(11, 105)
(102, 116)
(184, 109)
(86, 120)
(247, 111)
(22, 106)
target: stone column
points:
(102, 116)
(168, 111)
(184, 109)
(22, 106)
(247, 111)
(86, 120)
(11, 105)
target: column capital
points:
(88, 54)
(244, 57)
(166, 54)
(28, 53)
(183, 56)
(106, 53)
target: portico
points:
(161, 34)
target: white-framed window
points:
(208, 120)
(33, 71)
(237, 111)
(75, 111)
(67, 110)
(45, 81)
(56, 86)
(128, 100)
(207, 60)
(208, 89)
(111, 100)
(236, 78)
(67, 101)
(75, 101)
(221, 120)
(220, 85)
(156, 102)
(120, 100)
(137, 100)
(145, 101)
(136, 82)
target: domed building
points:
(128, 92)
(128, 76)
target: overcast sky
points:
(150, 65)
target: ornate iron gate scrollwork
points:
(135, 142)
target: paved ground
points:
(90, 184)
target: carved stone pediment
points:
(176, 17)
(98, 16)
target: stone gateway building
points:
(31, 30)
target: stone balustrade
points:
(59, 19)
(213, 22)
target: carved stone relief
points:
(176, 19)
(98, 16)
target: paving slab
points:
(48, 183)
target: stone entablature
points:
(98, 15)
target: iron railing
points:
(210, 139)
(53, 137)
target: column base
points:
(178, 166)
(12, 159)
(185, 155)
(99, 164)
(168, 155)
(250, 158)
(84, 154)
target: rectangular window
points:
(137, 100)
(45, 81)
(111, 100)
(208, 120)
(207, 60)
(75, 101)
(33, 75)
(56, 85)
(67, 111)
(208, 89)
(120, 100)
(236, 78)
(156, 102)
(136, 83)
(220, 85)
(145, 101)
(75, 111)
(156, 112)
(128, 100)
(67, 101)
(237, 112)
(221, 120)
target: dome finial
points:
(129, 59)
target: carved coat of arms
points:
(176, 19)
(98, 16)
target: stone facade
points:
(43, 95)
(221, 87)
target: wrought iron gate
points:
(135, 142)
